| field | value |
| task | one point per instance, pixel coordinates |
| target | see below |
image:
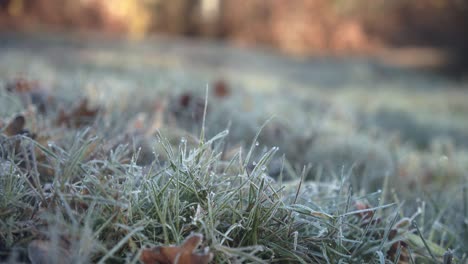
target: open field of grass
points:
(108, 147)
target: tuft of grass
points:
(108, 210)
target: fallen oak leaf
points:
(159, 255)
(187, 254)
(184, 254)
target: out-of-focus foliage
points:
(123, 16)
(294, 26)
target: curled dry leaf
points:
(80, 115)
(183, 254)
(15, 126)
(399, 247)
(366, 214)
(402, 248)
(364, 206)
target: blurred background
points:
(429, 34)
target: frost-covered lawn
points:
(108, 147)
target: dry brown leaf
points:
(364, 206)
(15, 126)
(221, 89)
(183, 254)
(188, 105)
(81, 115)
(367, 217)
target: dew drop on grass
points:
(254, 163)
(183, 140)
(256, 144)
(264, 168)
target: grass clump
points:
(101, 179)
(81, 208)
